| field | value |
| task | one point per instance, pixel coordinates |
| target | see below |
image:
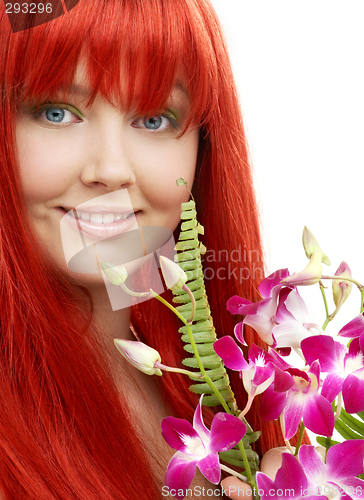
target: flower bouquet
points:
(322, 391)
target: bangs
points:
(135, 52)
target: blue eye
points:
(157, 123)
(55, 114)
(154, 123)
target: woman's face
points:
(70, 155)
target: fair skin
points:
(68, 157)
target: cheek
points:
(44, 173)
(163, 164)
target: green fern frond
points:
(349, 426)
(188, 256)
(189, 250)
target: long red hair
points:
(63, 433)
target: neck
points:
(109, 324)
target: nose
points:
(108, 165)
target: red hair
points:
(62, 432)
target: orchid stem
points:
(202, 369)
(246, 409)
(205, 377)
(233, 472)
(362, 300)
(327, 320)
(300, 437)
(352, 280)
(194, 375)
(287, 443)
(134, 294)
(338, 407)
(248, 472)
(193, 303)
(177, 313)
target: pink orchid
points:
(310, 478)
(354, 330)
(345, 368)
(198, 446)
(341, 289)
(301, 402)
(280, 318)
(257, 375)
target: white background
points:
(299, 70)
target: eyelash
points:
(167, 115)
(36, 114)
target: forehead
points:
(135, 58)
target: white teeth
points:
(96, 218)
(108, 218)
(100, 218)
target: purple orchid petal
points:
(290, 333)
(293, 413)
(234, 304)
(290, 476)
(282, 380)
(198, 424)
(354, 486)
(262, 324)
(321, 347)
(298, 373)
(179, 434)
(271, 281)
(312, 465)
(210, 467)
(332, 386)
(256, 353)
(318, 416)
(239, 334)
(355, 347)
(226, 432)
(283, 314)
(315, 370)
(345, 460)
(283, 351)
(230, 353)
(272, 404)
(297, 306)
(353, 393)
(355, 327)
(262, 374)
(179, 475)
(278, 360)
(266, 485)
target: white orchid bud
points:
(117, 275)
(139, 355)
(309, 276)
(311, 246)
(341, 289)
(173, 275)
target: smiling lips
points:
(100, 222)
